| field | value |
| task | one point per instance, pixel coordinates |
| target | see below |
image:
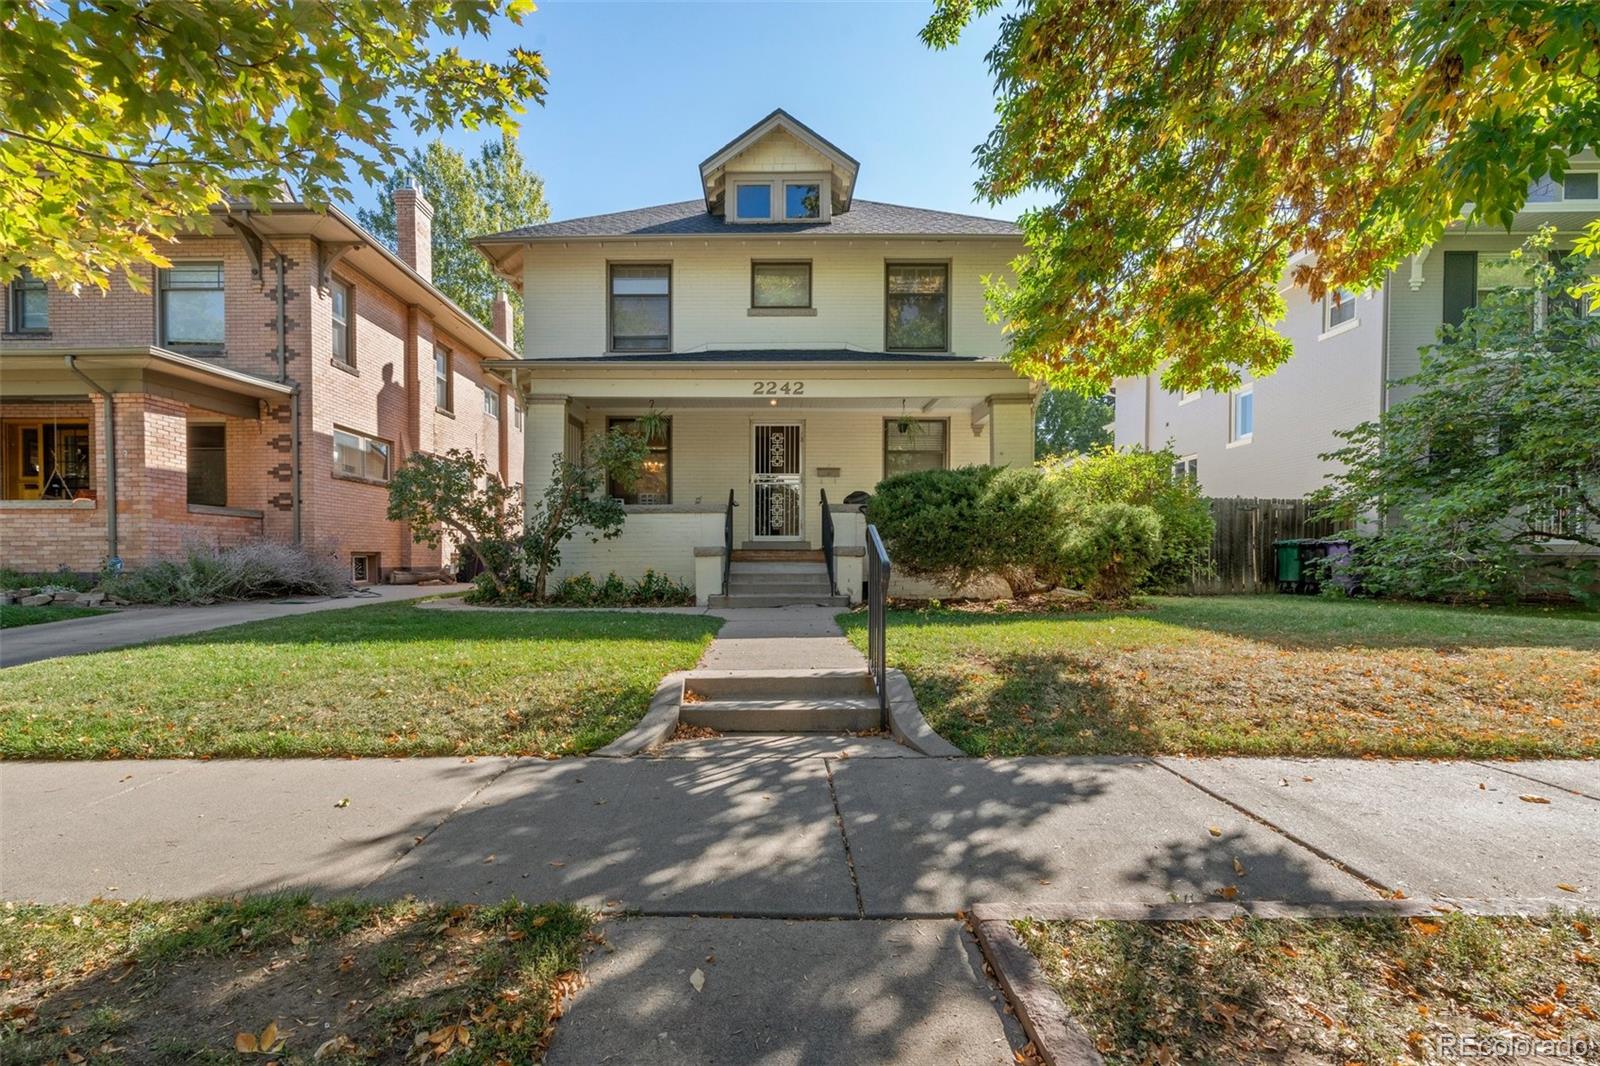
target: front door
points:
(775, 475)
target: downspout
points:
(280, 267)
(111, 458)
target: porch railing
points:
(727, 542)
(877, 618)
(827, 544)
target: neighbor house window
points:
(357, 455)
(752, 202)
(30, 304)
(1339, 307)
(641, 308)
(344, 331)
(802, 200)
(1242, 414)
(654, 483)
(44, 459)
(1585, 186)
(918, 307)
(911, 444)
(516, 415)
(780, 285)
(444, 392)
(491, 403)
(208, 464)
(1186, 468)
(191, 305)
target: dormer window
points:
(802, 201)
(753, 203)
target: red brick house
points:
(263, 386)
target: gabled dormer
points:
(778, 171)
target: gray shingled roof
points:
(769, 355)
(689, 218)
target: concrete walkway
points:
(789, 902)
(781, 638)
(140, 625)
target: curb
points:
(657, 725)
(1120, 911)
(1057, 1039)
(907, 725)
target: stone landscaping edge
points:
(1060, 1041)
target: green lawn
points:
(1325, 991)
(1256, 675)
(392, 679)
(14, 614)
(283, 979)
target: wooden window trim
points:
(949, 272)
(811, 297)
(884, 439)
(203, 347)
(611, 336)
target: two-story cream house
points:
(1266, 438)
(802, 344)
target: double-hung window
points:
(1186, 468)
(1339, 307)
(491, 403)
(641, 307)
(917, 307)
(191, 305)
(358, 455)
(342, 298)
(912, 444)
(30, 304)
(654, 483)
(444, 391)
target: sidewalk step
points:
(768, 587)
(776, 684)
(834, 714)
(821, 599)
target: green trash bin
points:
(1288, 555)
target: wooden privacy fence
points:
(1241, 549)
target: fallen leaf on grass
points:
(264, 1043)
(332, 1046)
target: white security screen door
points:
(775, 475)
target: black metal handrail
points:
(827, 544)
(727, 542)
(878, 568)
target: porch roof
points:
(44, 373)
(751, 356)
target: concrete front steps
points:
(777, 578)
(776, 701)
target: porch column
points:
(1011, 431)
(544, 436)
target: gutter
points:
(111, 457)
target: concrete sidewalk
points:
(141, 625)
(813, 836)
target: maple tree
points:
(123, 124)
(1190, 148)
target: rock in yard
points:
(37, 601)
(65, 597)
(92, 599)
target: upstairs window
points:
(918, 307)
(491, 403)
(208, 464)
(1340, 307)
(641, 308)
(344, 339)
(802, 200)
(1242, 415)
(191, 305)
(780, 285)
(753, 202)
(357, 455)
(444, 391)
(30, 304)
(1581, 186)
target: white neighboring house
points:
(800, 342)
(1264, 439)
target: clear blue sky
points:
(640, 93)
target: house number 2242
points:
(775, 388)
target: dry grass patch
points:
(283, 979)
(1262, 675)
(1321, 992)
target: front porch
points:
(777, 439)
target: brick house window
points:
(30, 304)
(344, 324)
(208, 465)
(444, 392)
(44, 459)
(491, 403)
(516, 415)
(358, 455)
(191, 306)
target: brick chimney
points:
(500, 311)
(413, 223)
